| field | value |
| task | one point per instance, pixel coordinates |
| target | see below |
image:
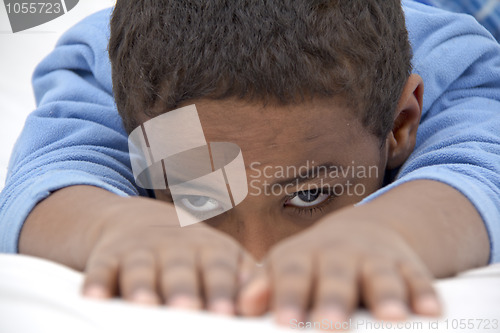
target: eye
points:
(304, 199)
(200, 204)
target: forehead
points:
(319, 131)
(315, 130)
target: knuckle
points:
(337, 272)
(219, 290)
(290, 298)
(177, 263)
(184, 287)
(379, 270)
(220, 264)
(388, 295)
(138, 262)
(424, 289)
(332, 299)
(101, 263)
(291, 269)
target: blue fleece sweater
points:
(75, 136)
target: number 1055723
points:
(33, 8)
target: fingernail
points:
(287, 315)
(223, 307)
(428, 306)
(333, 314)
(391, 310)
(96, 292)
(145, 297)
(183, 302)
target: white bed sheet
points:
(40, 296)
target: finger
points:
(179, 281)
(291, 278)
(219, 271)
(101, 274)
(423, 298)
(255, 289)
(336, 293)
(248, 267)
(384, 290)
(138, 278)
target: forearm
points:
(64, 227)
(437, 221)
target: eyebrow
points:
(202, 188)
(311, 174)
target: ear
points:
(401, 140)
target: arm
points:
(437, 222)
(458, 141)
(75, 137)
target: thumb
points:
(255, 289)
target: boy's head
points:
(292, 82)
(166, 53)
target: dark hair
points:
(165, 52)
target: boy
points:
(291, 83)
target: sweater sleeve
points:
(458, 142)
(75, 136)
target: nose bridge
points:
(253, 220)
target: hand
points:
(340, 261)
(143, 255)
